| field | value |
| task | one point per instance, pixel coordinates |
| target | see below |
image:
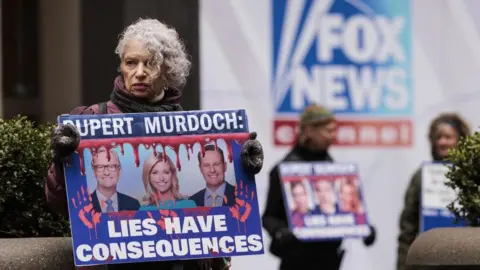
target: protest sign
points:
(136, 188)
(324, 201)
(435, 196)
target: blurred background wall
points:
(59, 54)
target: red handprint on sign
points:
(89, 217)
(164, 213)
(242, 202)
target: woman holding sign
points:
(444, 133)
(160, 180)
(153, 70)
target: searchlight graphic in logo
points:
(351, 56)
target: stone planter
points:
(445, 249)
(38, 253)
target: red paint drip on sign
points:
(151, 142)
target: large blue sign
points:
(160, 187)
(352, 56)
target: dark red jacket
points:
(55, 193)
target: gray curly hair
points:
(164, 44)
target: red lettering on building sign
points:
(377, 133)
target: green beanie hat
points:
(314, 114)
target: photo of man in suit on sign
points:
(326, 198)
(213, 167)
(106, 198)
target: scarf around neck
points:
(128, 103)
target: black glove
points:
(65, 140)
(221, 263)
(252, 155)
(285, 236)
(370, 239)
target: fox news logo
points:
(351, 56)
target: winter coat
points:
(297, 255)
(409, 219)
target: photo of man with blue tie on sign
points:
(213, 166)
(107, 170)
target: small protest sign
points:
(324, 201)
(435, 196)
